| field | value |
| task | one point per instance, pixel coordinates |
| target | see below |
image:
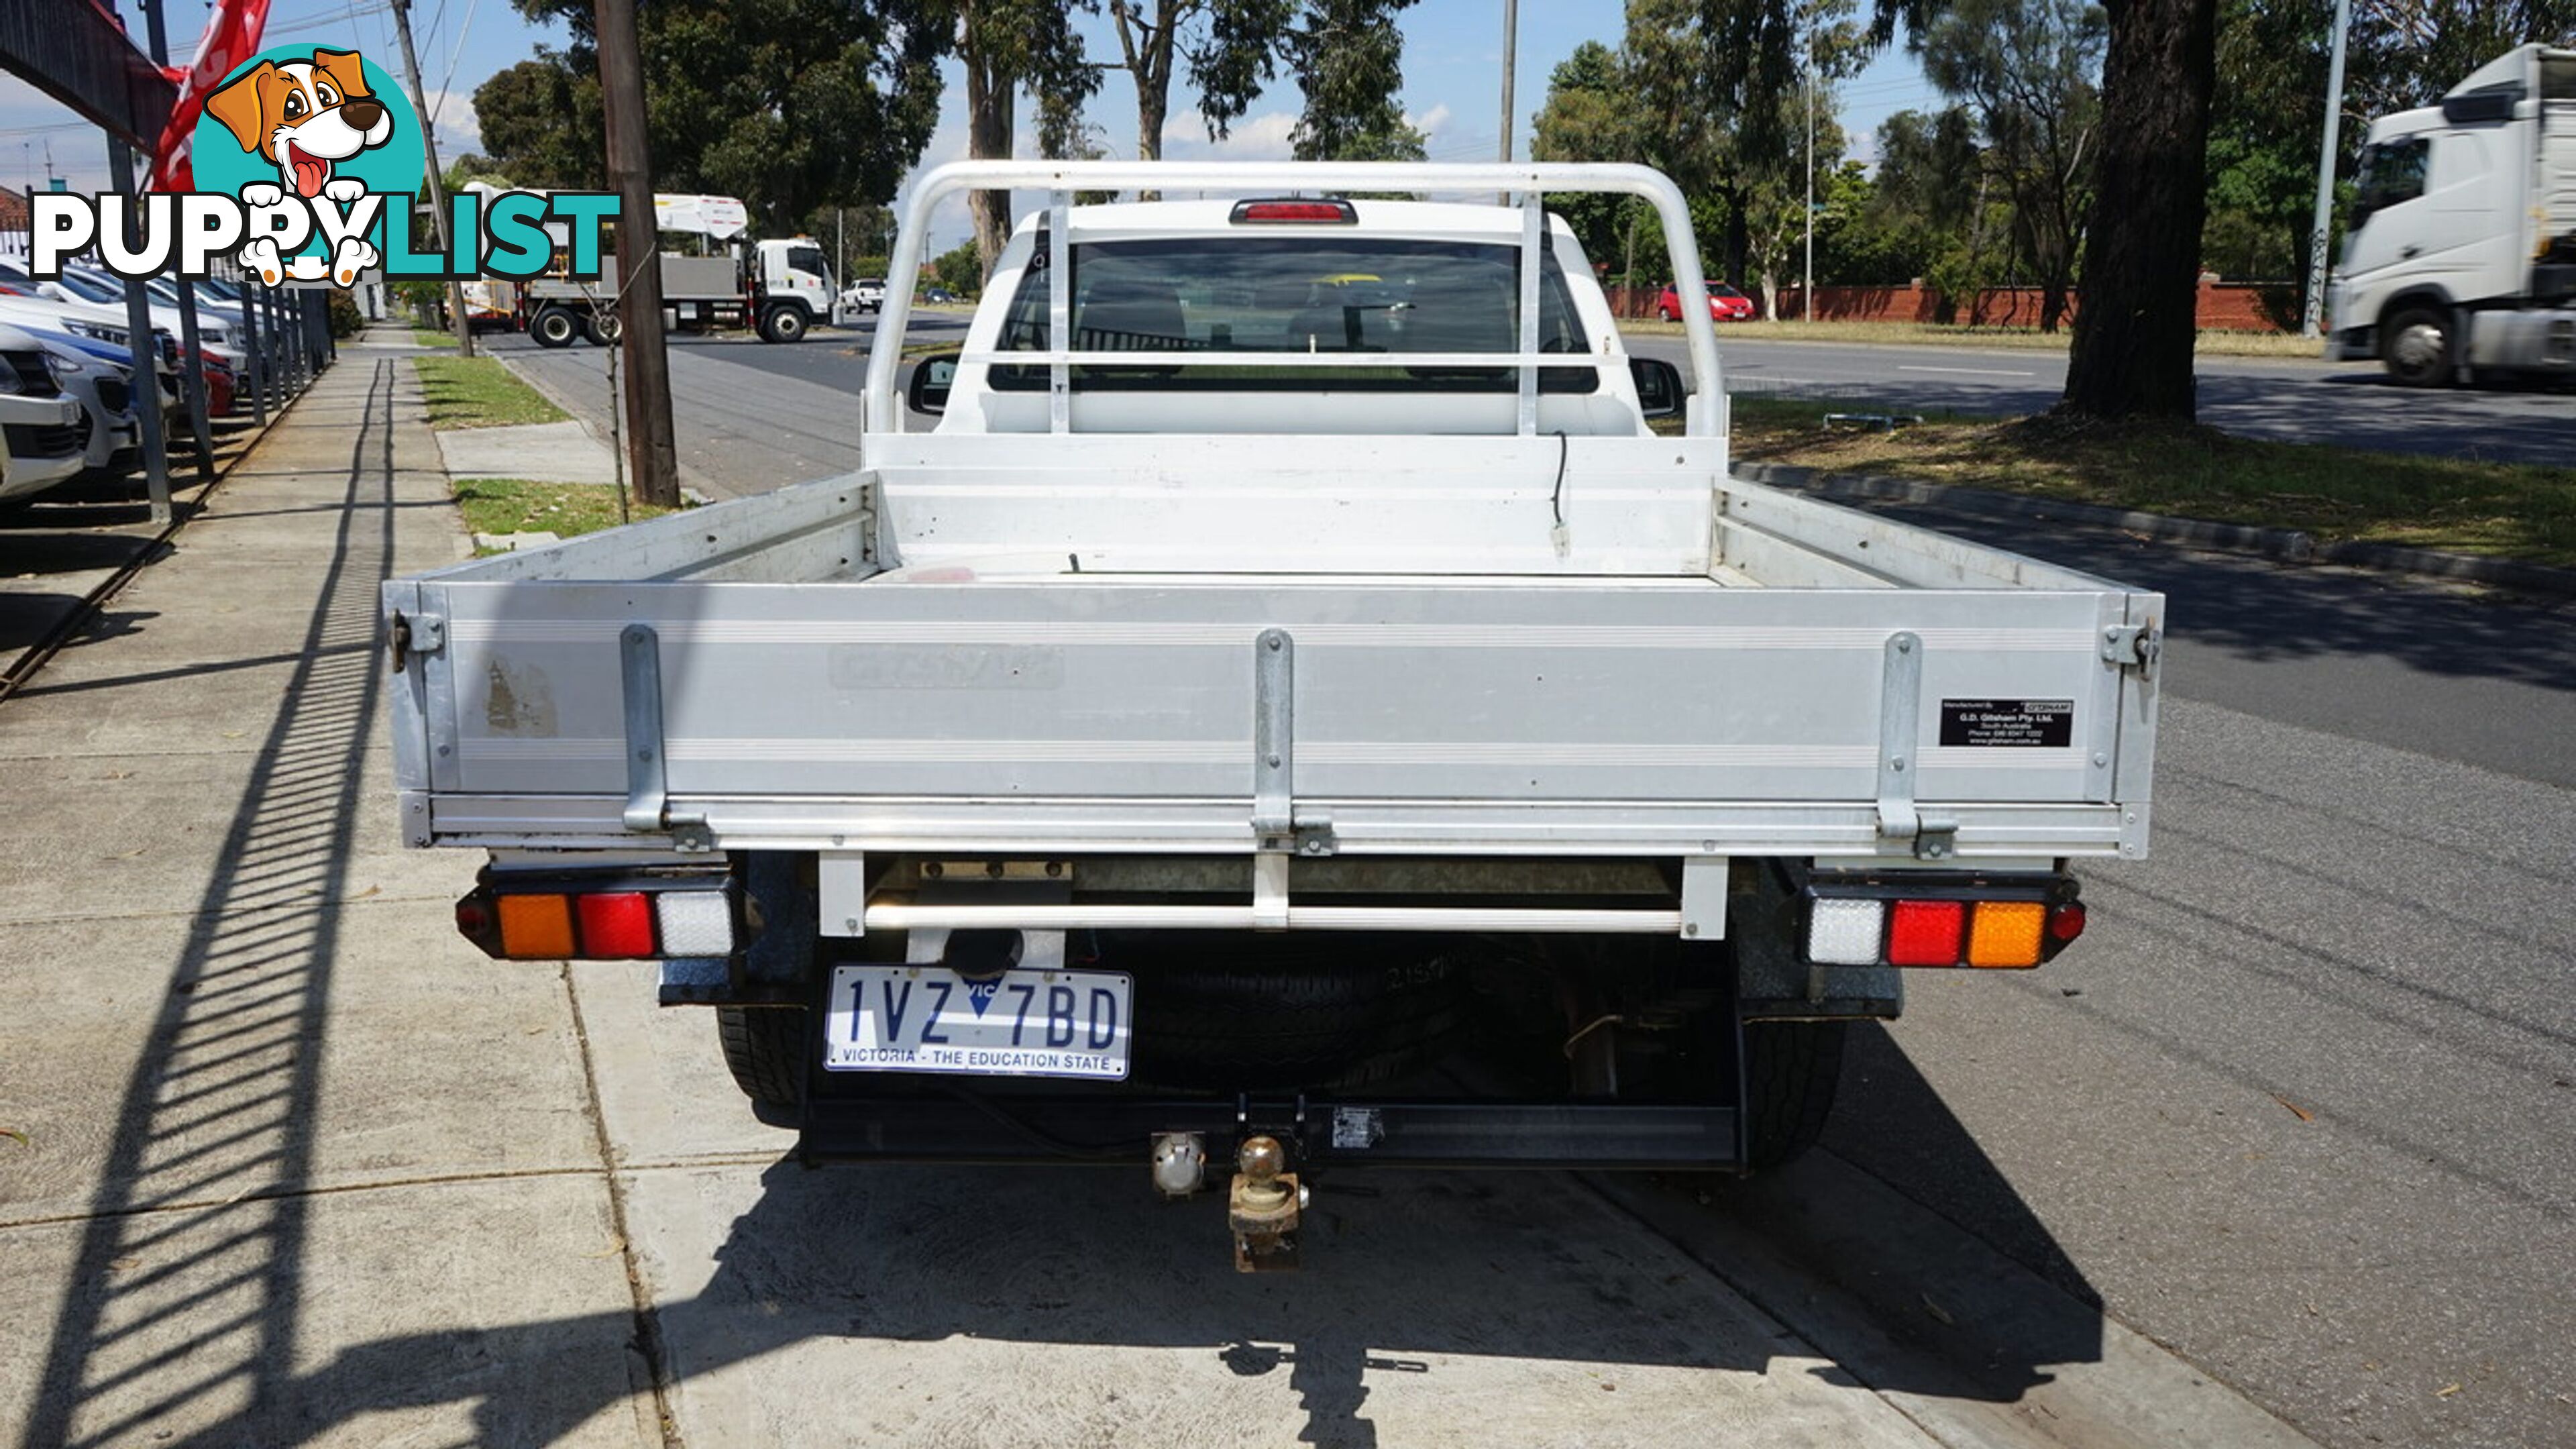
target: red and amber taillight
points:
(626, 918)
(1996, 922)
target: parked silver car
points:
(113, 435)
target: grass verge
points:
(1926, 334)
(2506, 509)
(478, 392)
(423, 337)
(516, 505)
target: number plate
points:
(1023, 1024)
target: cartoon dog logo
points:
(303, 116)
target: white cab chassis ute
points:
(1292, 710)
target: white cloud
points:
(1254, 138)
(1430, 122)
(451, 117)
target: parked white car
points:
(865, 294)
(41, 423)
(219, 331)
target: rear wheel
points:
(2415, 347)
(602, 328)
(764, 1048)
(1791, 1071)
(554, 327)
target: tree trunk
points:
(988, 136)
(1737, 241)
(1150, 109)
(2135, 330)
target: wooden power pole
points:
(456, 318)
(652, 460)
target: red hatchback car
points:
(1725, 304)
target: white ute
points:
(1293, 710)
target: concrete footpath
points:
(283, 1162)
(266, 1179)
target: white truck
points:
(781, 286)
(2461, 257)
(1293, 709)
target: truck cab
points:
(791, 288)
(2461, 254)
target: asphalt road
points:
(2289, 400)
(2302, 1106)
(747, 416)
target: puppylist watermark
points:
(307, 162)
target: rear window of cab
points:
(1344, 295)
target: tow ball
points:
(1261, 1208)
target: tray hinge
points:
(2132, 646)
(1900, 702)
(411, 634)
(648, 801)
(1276, 825)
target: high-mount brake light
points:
(1330, 212)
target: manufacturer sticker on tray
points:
(2008, 723)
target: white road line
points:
(1977, 371)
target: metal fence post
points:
(145, 345)
(255, 374)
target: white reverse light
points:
(1842, 933)
(695, 923)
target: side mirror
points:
(51, 291)
(1659, 387)
(930, 383)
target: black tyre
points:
(554, 327)
(783, 324)
(1791, 1070)
(602, 328)
(1289, 1013)
(764, 1048)
(2416, 347)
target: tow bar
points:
(1261, 1208)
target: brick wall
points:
(2231, 306)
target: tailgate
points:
(1611, 717)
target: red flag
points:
(231, 38)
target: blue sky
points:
(1452, 69)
